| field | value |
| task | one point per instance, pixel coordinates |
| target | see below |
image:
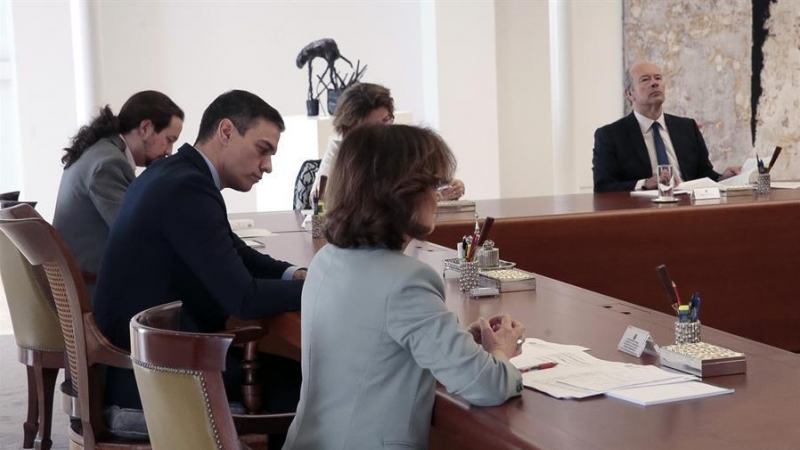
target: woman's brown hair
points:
(356, 102)
(381, 174)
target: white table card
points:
(636, 341)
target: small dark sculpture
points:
(329, 51)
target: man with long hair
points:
(100, 164)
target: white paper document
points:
(253, 232)
(689, 186)
(240, 224)
(653, 193)
(536, 351)
(750, 165)
(665, 393)
(622, 376)
(580, 375)
(785, 184)
(685, 187)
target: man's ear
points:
(628, 92)
(146, 128)
(225, 130)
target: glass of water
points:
(666, 182)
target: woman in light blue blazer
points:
(376, 334)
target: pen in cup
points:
(542, 366)
(669, 286)
(774, 158)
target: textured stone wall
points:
(778, 115)
(704, 48)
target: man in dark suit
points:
(627, 151)
(172, 241)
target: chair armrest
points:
(262, 423)
(101, 350)
(245, 334)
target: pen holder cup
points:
(318, 225)
(468, 275)
(763, 183)
(687, 332)
(488, 258)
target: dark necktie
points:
(661, 150)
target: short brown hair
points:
(242, 108)
(380, 175)
(356, 102)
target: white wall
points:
(467, 92)
(482, 72)
(595, 79)
(523, 91)
(46, 95)
(194, 51)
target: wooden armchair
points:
(180, 384)
(38, 335)
(87, 349)
(13, 195)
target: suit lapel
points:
(637, 138)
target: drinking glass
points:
(666, 182)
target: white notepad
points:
(253, 232)
(665, 393)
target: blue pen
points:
(696, 309)
(683, 313)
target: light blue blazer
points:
(375, 337)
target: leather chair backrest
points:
(179, 376)
(33, 314)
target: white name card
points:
(636, 341)
(706, 193)
(241, 224)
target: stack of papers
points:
(580, 375)
(244, 228)
(685, 187)
(654, 395)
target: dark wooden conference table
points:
(761, 414)
(742, 253)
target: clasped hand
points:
(499, 335)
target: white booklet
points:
(665, 393)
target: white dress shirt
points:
(645, 124)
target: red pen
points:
(542, 366)
(677, 295)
